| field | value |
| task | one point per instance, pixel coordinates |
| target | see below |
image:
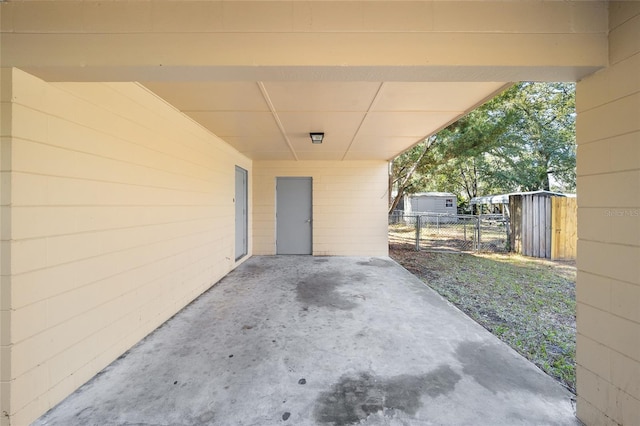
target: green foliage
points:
(539, 144)
(522, 140)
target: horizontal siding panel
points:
(596, 190)
(595, 356)
(122, 214)
(194, 16)
(621, 153)
(84, 219)
(54, 191)
(625, 40)
(349, 205)
(37, 158)
(619, 262)
(625, 300)
(601, 88)
(622, 11)
(594, 290)
(621, 117)
(625, 373)
(136, 265)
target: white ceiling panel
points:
(370, 155)
(415, 124)
(339, 128)
(456, 97)
(345, 123)
(361, 120)
(367, 143)
(321, 96)
(335, 142)
(246, 144)
(237, 123)
(270, 155)
(212, 95)
(320, 155)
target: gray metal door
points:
(241, 212)
(293, 215)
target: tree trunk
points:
(407, 178)
(396, 200)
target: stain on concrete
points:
(320, 260)
(206, 417)
(322, 290)
(353, 399)
(251, 270)
(498, 370)
(85, 414)
(379, 263)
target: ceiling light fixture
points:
(316, 137)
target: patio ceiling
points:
(375, 76)
(271, 120)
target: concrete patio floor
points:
(304, 340)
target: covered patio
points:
(142, 144)
(308, 340)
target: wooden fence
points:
(543, 226)
(531, 225)
(564, 228)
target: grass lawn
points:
(528, 303)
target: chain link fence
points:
(443, 232)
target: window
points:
(448, 202)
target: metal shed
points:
(540, 224)
(431, 202)
(439, 206)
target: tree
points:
(471, 135)
(544, 134)
(524, 139)
(403, 170)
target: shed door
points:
(293, 215)
(241, 212)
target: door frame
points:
(245, 214)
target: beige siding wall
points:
(608, 288)
(5, 238)
(121, 214)
(459, 39)
(349, 205)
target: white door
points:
(241, 212)
(293, 215)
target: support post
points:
(418, 226)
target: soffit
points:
(271, 120)
(375, 76)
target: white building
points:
(436, 204)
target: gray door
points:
(241, 212)
(293, 215)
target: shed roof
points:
(504, 198)
(433, 194)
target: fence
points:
(544, 226)
(433, 231)
(564, 228)
(531, 224)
